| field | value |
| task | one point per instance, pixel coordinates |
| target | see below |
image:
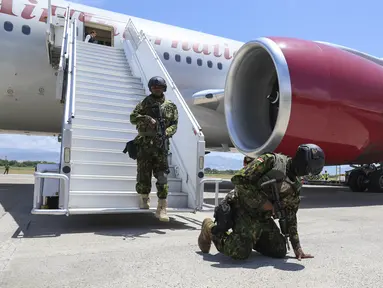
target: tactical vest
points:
(146, 130)
(279, 172)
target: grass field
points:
(18, 170)
(228, 176)
(223, 176)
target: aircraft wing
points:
(212, 99)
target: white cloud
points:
(25, 142)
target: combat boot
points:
(161, 210)
(205, 237)
(144, 201)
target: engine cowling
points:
(318, 94)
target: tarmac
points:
(340, 228)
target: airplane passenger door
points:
(105, 33)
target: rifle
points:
(161, 131)
(279, 209)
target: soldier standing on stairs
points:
(152, 156)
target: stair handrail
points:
(49, 21)
(63, 57)
(142, 37)
(64, 45)
(74, 70)
(71, 85)
(134, 40)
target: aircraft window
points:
(8, 26)
(209, 64)
(199, 62)
(178, 58)
(166, 56)
(219, 65)
(188, 60)
(26, 29)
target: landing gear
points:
(367, 177)
(376, 181)
(358, 180)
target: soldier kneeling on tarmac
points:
(250, 209)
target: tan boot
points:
(205, 237)
(144, 201)
(161, 210)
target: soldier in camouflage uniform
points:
(151, 157)
(253, 226)
(6, 171)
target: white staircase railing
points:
(63, 57)
(69, 111)
(188, 144)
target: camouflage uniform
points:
(150, 157)
(253, 227)
(6, 171)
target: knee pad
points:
(162, 179)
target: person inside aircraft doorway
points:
(91, 37)
(156, 119)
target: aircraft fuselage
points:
(196, 61)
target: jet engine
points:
(282, 92)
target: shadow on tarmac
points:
(17, 199)
(255, 261)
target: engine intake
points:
(282, 92)
(258, 97)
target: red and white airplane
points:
(276, 94)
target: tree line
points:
(215, 171)
(14, 163)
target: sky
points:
(350, 23)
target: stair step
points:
(85, 154)
(103, 77)
(84, 60)
(104, 72)
(132, 99)
(94, 131)
(87, 54)
(102, 113)
(100, 143)
(103, 123)
(109, 85)
(122, 64)
(115, 183)
(97, 47)
(82, 87)
(121, 199)
(94, 66)
(82, 103)
(94, 49)
(109, 169)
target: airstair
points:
(100, 86)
